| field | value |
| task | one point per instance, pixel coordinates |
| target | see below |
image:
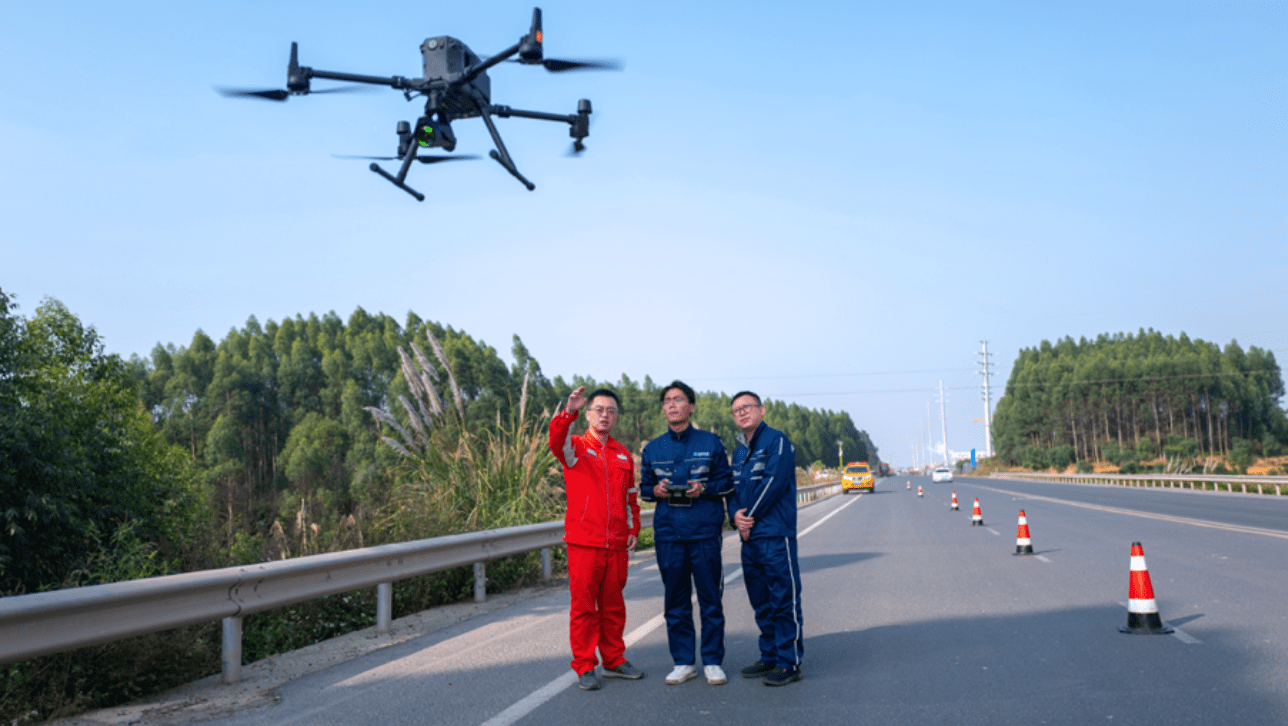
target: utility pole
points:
(943, 421)
(930, 444)
(988, 401)
(840, 455)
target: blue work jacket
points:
(691, 455)
(764, 477)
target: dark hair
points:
(740, 394)
(605, 392)
(685, 388)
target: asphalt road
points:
(912, 616)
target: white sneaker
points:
(680, 674)
(715, 675)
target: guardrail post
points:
(384, 606)
(232, 649)
(545, 564)
(480, 582)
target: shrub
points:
(1059, 457)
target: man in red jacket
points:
(601, 526)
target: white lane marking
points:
(1177, 633)
(999, 534)
(530, 702)
(1151, 515)
(829, 516)
(638, 634)
(1043, 558)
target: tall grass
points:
(460, 477)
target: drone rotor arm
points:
(476, 70)
(391, 81)
(579, 123)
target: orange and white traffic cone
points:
(1142, 613)
(909, 485)
(954, 504)
(1023, 545)
(919, 490)
(976, 517)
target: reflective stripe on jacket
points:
(764, 477)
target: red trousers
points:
(597, 616)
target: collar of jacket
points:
(742, 438)
(592, 438)
(682, 435)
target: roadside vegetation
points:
(1143, 402)
(281, 440)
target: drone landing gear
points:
(408, 154)
(394, 180)
(499, 154)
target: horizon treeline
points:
(1124, 398)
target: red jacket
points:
(599, 483)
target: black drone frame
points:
(452, 96)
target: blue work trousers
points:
(684, 566)
(773, 580)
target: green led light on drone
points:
(426, 135)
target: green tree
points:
(80, 460)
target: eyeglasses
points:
(603, 411)
(743, 409)
(675, 401)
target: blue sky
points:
(831, 203)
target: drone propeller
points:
(555, 65)
(422, 159)
(282, 95)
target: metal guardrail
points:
(1276, 484)
(51, 622)
(817, 491)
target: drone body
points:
(456, 86)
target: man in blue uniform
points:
(763, 508)
(686, 471)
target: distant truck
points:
(884, 468)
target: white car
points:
(943, 473)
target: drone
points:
(455, 86)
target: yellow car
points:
(858, 476)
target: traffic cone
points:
(975, 516)
(919, 490)
(909, 485)
(1023, 545)
(1142, 613)
(954, 504)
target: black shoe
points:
(624, 670)
(757, 670)
(781, 677)
(588, 681)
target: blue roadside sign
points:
(972, 458)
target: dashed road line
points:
(1043, 558)
(990, 529)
